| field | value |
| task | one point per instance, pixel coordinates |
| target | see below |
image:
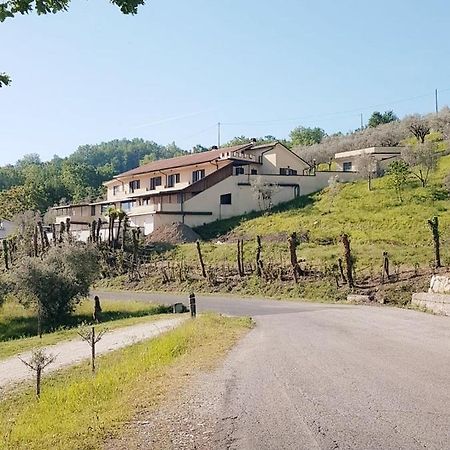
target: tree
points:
(5, 80)
(399, 174)
(56, 282)
(420, 129)
(306, 136)
(242, 140)
(366, 167)
(37, 363)
(199, 149)
(10, 8)
(422, 160)
(264, 192)
(378, 118)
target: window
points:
(135, 184)
(126, 206)
(225, 199)
(254, 172)
(92, 210)
(198, 175)
(287, 171)
(347, 166)
(239, 170)
(116, 189)
(173, 179)
(155, 181)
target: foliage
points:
(306, 136)
(55, 283)
(36, 185)
(390, 134)
(78, 410)
(10, 8)
(422, 160)
(264, 192)
(241, 140)
(5, 80)
(399, 174)
(378, 118)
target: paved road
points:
(313, 376)
(13, 370)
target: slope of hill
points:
(375, 221)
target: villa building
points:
(201, 187)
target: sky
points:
(177, 68)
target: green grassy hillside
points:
(376, 221)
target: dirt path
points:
(13, 371)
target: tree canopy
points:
(306, 136)
(378, 118)
(11, 8)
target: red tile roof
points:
(181, 161)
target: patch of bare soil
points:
(174, 233)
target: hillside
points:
(376, 221)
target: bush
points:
(55, 283)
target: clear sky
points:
(177, 68)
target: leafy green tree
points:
(305, 136)
(241, 140)
(199, 149)
(5, 80)
(16, 200)
(422, 159)
(378, 118)
(55, 283)
(399, 174)
(10, 8)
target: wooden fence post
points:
(192, 305)
(348, 260)
(259, 263)
(434, 225)
(200, 257)
(293, 243)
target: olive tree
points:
(264, 192)
(56, 282)
(422, 159)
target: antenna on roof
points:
(218, 134)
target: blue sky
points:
(177, 68)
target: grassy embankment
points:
(376, 221)
(18, 326)
(79, 411)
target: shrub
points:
(55, 283)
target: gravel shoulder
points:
(13, 371)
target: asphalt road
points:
(317, 376)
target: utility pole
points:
(218, 134)
(436, 100)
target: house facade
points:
(202, 187)
(381, 158)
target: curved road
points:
(313, 376)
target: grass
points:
(18, 325)
(376, 221)
(78, 410)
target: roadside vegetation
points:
(78, 410)
(18, 325)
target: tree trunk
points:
(93, 349)
(348, 260)
(54, 234)
(99, 229)
(35, 242)
(293, 243)
(239, 259)
(5, 253)
(386, 266)
(62, 229)
(341, 271)
(119, 226)
(259, 263)
(38, 381)
(200, 258)
(434, 225)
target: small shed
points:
(382, 157)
